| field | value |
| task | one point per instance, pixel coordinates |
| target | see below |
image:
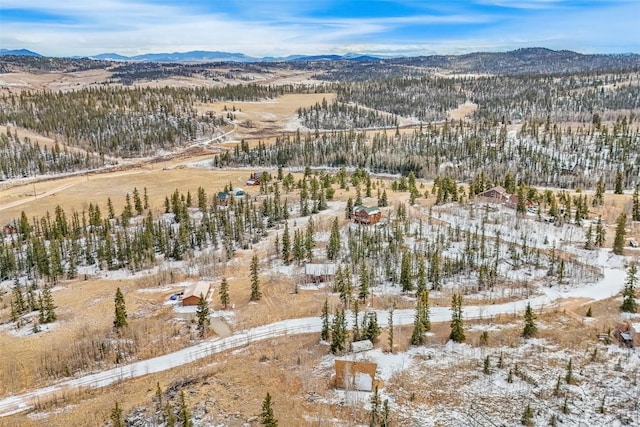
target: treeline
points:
(126, 122)
(339, 115)
(60, 244)
(541, 154)
(27, 158)
(425, 98)
(569, 97)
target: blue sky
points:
(282, 27)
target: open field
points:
(266, 118)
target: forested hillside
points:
(125, 122)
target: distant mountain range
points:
(213, 56)
(18, 52)
(202, 56)
(519, 61)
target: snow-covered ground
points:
(609, 285)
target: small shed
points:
(633, 243)
(628, 333)
(366, 215)
(360, 346)
(192, 293)
(319, 273)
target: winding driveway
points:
(609, 285)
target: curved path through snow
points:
(609, 285)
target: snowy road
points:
(610, 285)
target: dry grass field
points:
(230, 386)
(266, 118)
(300, 381)
(17, 82)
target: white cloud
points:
(129, 28)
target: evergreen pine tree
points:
(568, 376)
(618, 241)
(120, 320)
(618, 187)
(457, 329)
(338, 332)
(527, 416)
(386, 414)
(185, 416)
(598, 198)
(145, 197)
(324, 316)
(601, 233)
(286, 244)
(486, 369)
(529, 323)
(371, 330)
(18, 302)
(224, 293)
(346, 289)
(298, 247)
(356, 321)
(158, 396)
(374, 420)
(255, 279)
(422, 277)
(417, 336)
(635, 209)
(363, 292)
(333, 246)
(405, 272)
(47, 306)
(423, 311)
(309, 242)
(137, 202)
(629, 304)
(202, 199)
(110, 210)
(202, 314)
(267, 419)
(169, 416)
(116, 416)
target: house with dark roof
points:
(222, 198)
(256, 177)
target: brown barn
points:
(366, 215)
(498, 194)
(255, 177)
(192, 293)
